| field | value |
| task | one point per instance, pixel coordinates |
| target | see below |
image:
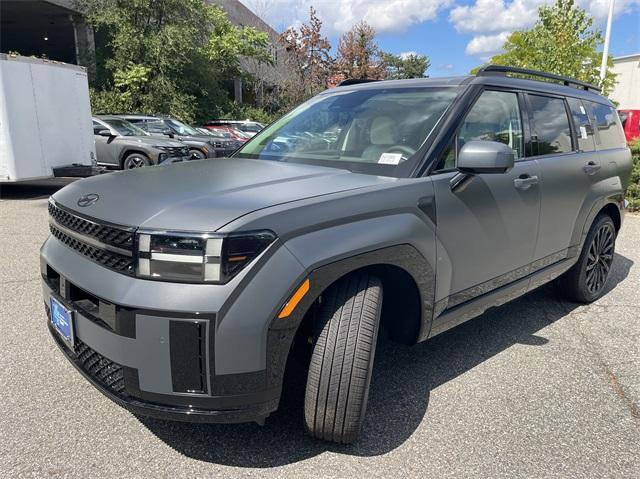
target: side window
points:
(97, 127)
(495, 116)
(550, 125)
(610, 134)
(154, 126)
(582, 125)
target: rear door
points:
(487, 230)
(563, 144)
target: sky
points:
(456, 35)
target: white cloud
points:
(491, 21)
(405, 55)
(339, 16)
(486, 45)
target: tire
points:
(197, 155)
(586, 280)
(342, 358)
(135, 160)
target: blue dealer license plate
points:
(62, 320)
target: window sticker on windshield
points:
(583, 132)
(390, 158)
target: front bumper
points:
(231, 371)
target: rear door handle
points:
(591, 168)
(524, 182)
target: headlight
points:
(197, 258)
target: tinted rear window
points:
(610, 134)
(582, 125)
(551, 125)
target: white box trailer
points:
(45, 120)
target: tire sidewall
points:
(135, 155)
(582, 263)
(198, 155)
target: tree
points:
(169, 56)
(359, 55)
(562, 41)
(309, 57)
(400, 67)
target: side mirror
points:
(106, 133)
(488, 157)
(478, 157)
(167, 132)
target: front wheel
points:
(197, 155)
(342, 358)
(586, 280)
(135, 160)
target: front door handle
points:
(591, 168)
(524, 182)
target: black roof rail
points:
(503, 70)
(355, 81)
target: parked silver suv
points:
(413, 204)
(123, 145)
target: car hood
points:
(148, 140)
(204, 195)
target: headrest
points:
(383, 131)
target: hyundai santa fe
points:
(404, 206)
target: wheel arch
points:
(407, 279)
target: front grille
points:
(120, 237)
(176, 151)
(103, 370)
(109, 259)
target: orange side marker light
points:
(294, 300)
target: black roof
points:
(495, 75)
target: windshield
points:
(371, 131)
(124, 128)
(181, 128)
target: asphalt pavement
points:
(536, 388)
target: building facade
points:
(627, 90)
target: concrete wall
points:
(627, 91)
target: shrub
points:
(633, 191)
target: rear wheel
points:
(586, 280)
(135, 160)
(342, 358)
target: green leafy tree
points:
(562, 41)
(409, 66)
(169, 56)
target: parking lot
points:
(535, 388)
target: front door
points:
(487, 231)
(105, 152)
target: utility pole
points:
(607, 37)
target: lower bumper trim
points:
(257, 412)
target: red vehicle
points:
(630, 123)
(235, 134)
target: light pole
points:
(607, 37)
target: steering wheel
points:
(401, 149)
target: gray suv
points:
(200, 145)
(119, 144)
(404, 206)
